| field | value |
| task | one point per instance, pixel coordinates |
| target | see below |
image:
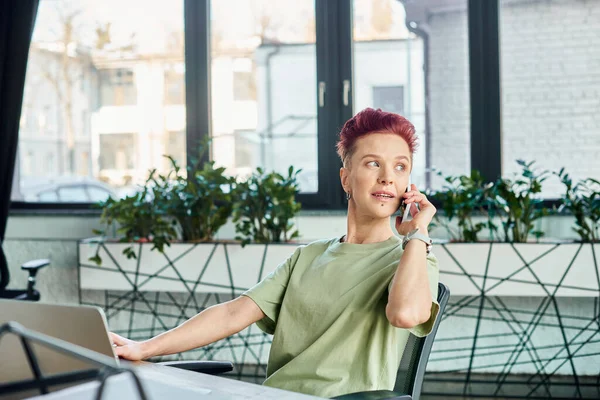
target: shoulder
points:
(321, 243)
(316, 247)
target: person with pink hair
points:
(340, 309)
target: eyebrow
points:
(376, 156)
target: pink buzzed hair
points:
(368, 121)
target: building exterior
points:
(61, 86)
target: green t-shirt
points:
(325, 306)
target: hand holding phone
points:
(404, 206)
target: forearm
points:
(214, 323)
(409, 300)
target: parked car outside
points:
(66, 190)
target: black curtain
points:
(17, 19)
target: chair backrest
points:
(4, 274)
(414, 359)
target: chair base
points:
(19, 295)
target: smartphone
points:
(405, 208)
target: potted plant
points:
(178, 215)
(200, 201)
(582, 200)
(265, 206)
(463, 198)
(514, 202)
(509, 263)
(518, 204)
(137, 220)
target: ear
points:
(344, 178)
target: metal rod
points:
(35, 367)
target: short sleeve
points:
(268, 294)
(433, 274)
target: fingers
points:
(123, 347)
(414, 211)
(413, 191)
(118, 340)
(416, 198)
(121, 351)
(128, 352)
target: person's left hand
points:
(421, 217)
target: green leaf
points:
(96, 259)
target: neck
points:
(362, 229)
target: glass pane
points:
(73, 194)
(48, 196)
(96, 194)
(104, 95)
(264, 111)
(550, 88)
(390, 69)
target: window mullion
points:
(197, 76)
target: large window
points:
(551, 87)
(108, 94)
(103, 95)
(264, 78)
(396, 69)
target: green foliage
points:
(462, 197)
(200, 204)
(139, 220)
(518, 204)
(192, 203)
(265, 207)
(583, 201)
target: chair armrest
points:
(35, 265)
(206, 367)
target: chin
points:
(382, 212)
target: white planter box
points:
(184, 267)
(498, 269)
(521, 269)
(500, 294)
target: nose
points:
(385, 178)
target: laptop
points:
(82, 325)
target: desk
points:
(162, 382)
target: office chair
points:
(411, 371)
(32, 267)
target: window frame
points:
(333, 20)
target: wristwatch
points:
(414, 234)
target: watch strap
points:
(419, 236)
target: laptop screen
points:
(82, 325)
